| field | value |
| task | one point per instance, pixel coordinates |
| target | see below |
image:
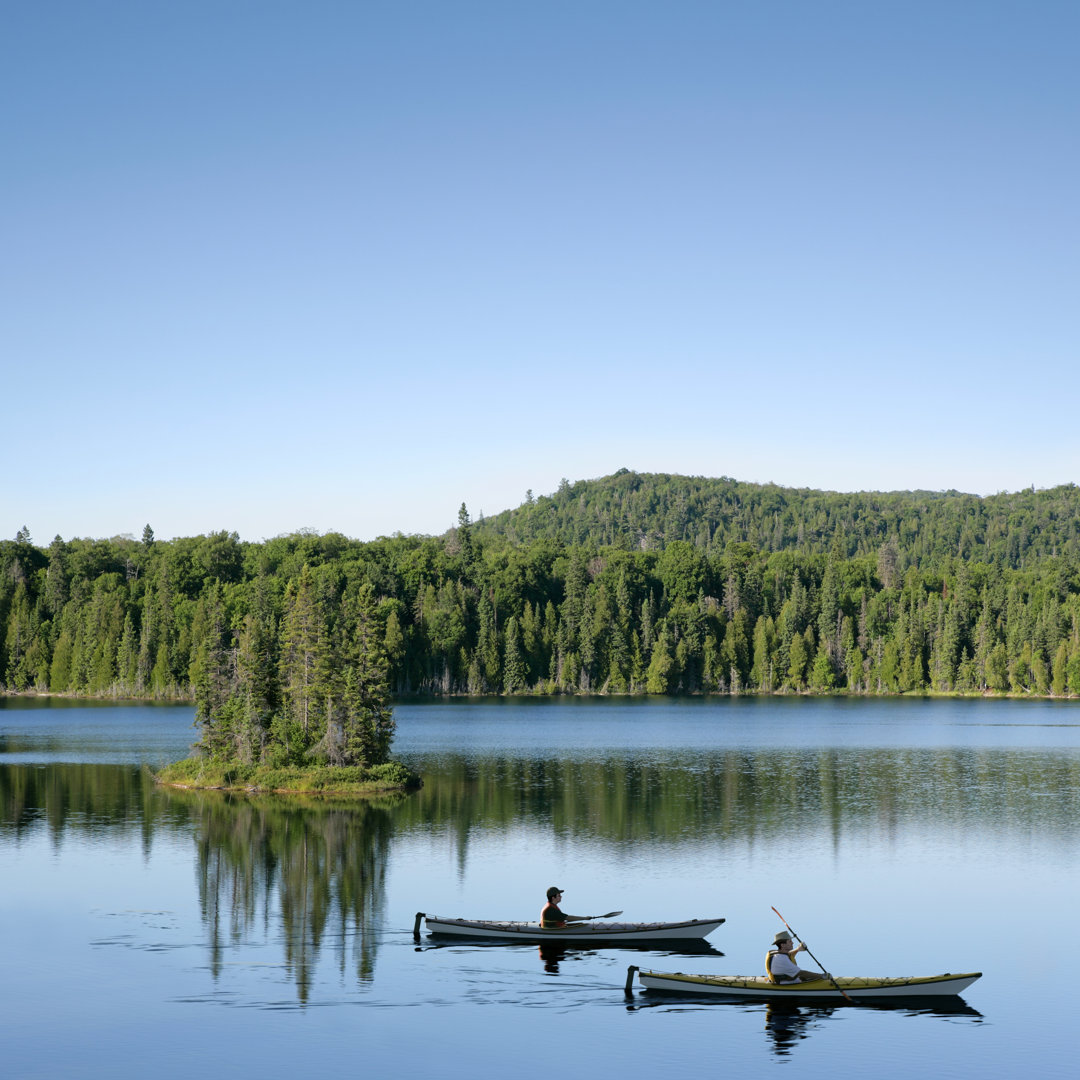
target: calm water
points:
(168, 933)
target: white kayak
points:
(758, 987)
(592, 931)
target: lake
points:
(166, 933)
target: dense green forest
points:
(634, 583)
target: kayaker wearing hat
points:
(780, 966)
(551, 918)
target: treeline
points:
(649, 510)
(284, 638)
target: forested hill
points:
(635, 583)
(645, 511)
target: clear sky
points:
(345, 264)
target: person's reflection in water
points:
(787, 1024)
(551, 954)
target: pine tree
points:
(127, 656)
(1059, 678)
(212, 679)
(761, 672)
(465, 542)
(302, 655)
(796, 671)
(20, 634)
(661, 674)
(514, 672)
(369, 720)
(258, 673)
(60, 669)
(487, 645)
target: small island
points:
(297, 705)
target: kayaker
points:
(780, 966)
(551, 918)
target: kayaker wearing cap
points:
(551, 918)
(780, 966)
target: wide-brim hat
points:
(781, 937)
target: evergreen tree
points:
(514, 672)
(487, 646)
(303, 648)
(369, 720)
(1059, 678)
(796, 672)
(212, 679)
(660, 674)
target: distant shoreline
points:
(787, 692)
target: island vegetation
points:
(297, 704)
(631, 584)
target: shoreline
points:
(201, 774)
(1018, 695)
(333, 793)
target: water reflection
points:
(310, 876)
(84, 800)
(786, 1024)
(553, 953)
(316, 867)
(633, 800)
(311, 871)
(751, 795)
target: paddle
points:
(609, 915)
(812, 956)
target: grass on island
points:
(312, 780)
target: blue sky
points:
(344, 265)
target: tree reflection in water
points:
(751, 795)
(319, 866)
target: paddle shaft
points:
(810, 954)
(609, 915)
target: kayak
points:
(758, 987)
(590, 931)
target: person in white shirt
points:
(780, 966)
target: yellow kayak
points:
(758, 987)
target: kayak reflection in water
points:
(551, 918)
(780, 965)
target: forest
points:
(630, 584)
